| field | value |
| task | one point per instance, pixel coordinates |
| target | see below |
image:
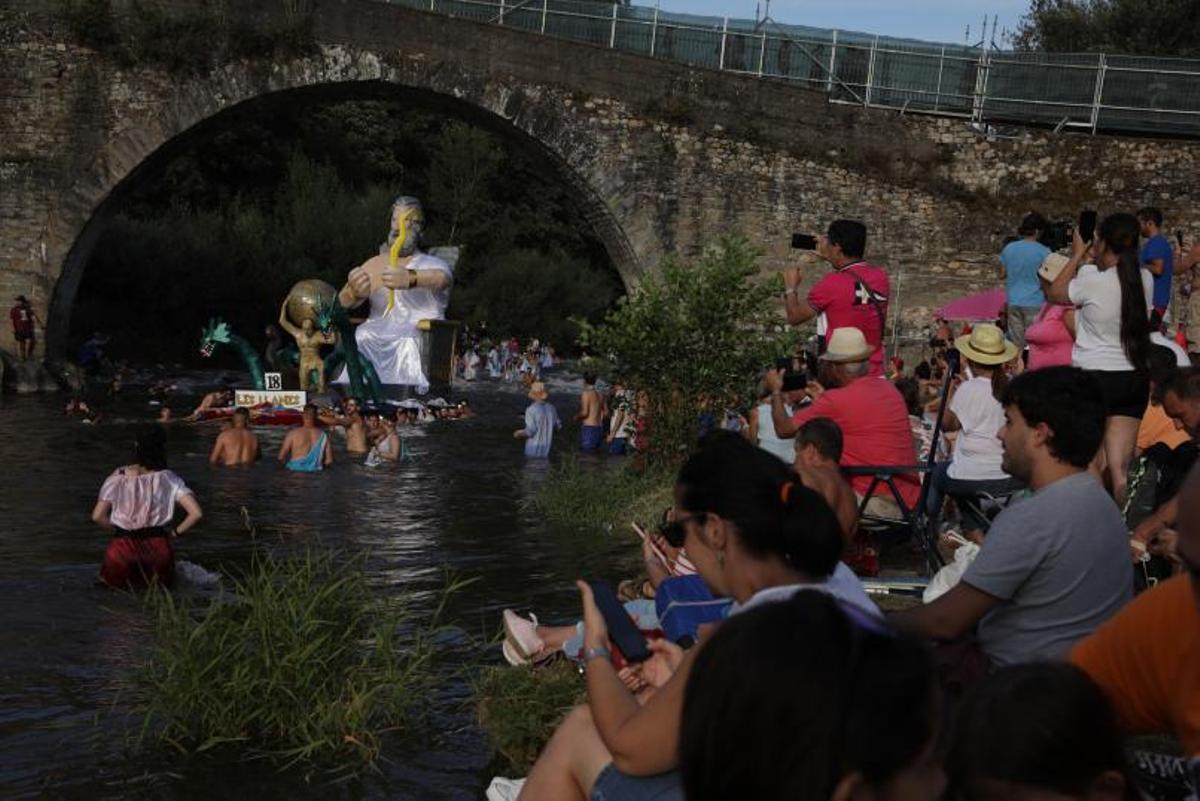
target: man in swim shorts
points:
(237, 444)
(306, 449)
(591, 414)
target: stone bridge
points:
(661, 156)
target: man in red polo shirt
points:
(854, 295)
(869, 410)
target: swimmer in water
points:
(137, 503)
(352, 423)
(306, 449)
(219, 399)
(165, 415)
(237, 444)
(386, 447)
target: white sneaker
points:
(502, 789)
(522, 633)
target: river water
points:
(67, 645)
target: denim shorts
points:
(613, 785)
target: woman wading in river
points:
(137, 503)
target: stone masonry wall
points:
(662, 157)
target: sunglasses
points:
(675, 531)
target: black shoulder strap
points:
(874, 298)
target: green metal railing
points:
(1093, 92)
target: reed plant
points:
(302, 663)
(520, 707)
(591, 496)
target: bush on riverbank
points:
(519, 708)
(590, 496)
(693, 338)
(305, 664)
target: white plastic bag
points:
(952, 573)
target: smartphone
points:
(621, 629)
(1087, 224)
(662, 557)
(1179, 237)
(793, 382)
(804, 242)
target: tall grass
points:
(520, 707)
(602, 496)
(303, 665)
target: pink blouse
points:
(1049, 340)
(142, 501)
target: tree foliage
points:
(1137, 27)
(693, 337)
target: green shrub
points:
(520, 707)
(303, 664)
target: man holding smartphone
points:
(854, 295)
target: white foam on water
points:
(195, 575)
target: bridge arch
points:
(201, 107)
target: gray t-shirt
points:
(1060, 563)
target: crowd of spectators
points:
(1075, 625)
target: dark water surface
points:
(66, 646)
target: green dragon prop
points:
(217, 332)
(364, 381)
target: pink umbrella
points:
(980, 306)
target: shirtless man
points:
(306, 449)
(237, 444)
(218, 399)
(818, 451)
(591, 414)
(352, 423)
(309, 341)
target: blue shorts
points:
(591, 437)
(617, 446)
(613, 785)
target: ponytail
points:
(773, 513)
(1120, 233)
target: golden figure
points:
(309, 341)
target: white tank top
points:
(769, 441)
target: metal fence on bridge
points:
(1093, 92)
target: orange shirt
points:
(1146, 660)
(1157, 427)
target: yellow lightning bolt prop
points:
(394, 255)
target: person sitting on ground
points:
(1055, 566)
(351, 421)
(817, 457)
(922, 431)
(1039, 731)
(237, 444)
(870, 413)
(217, 399)
(1019, 263)
(306, 449)
(591, 415)
(757, 535)
(973, 409)
(1156, 427)
(137, 503)
(1145, 658)
(1051, 336)
(807, 699)
(854, 295)
(760, 429)
(385, 443)
(1181, 402)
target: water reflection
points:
(456, 504)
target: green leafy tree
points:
(465, 161)
(1138, 27)
(693, 337)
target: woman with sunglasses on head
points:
(1111, 295)
(756, 535)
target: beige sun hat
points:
(986, 345)
(1052, 265)
(537, 391)
(847, 345)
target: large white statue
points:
(404, 286)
